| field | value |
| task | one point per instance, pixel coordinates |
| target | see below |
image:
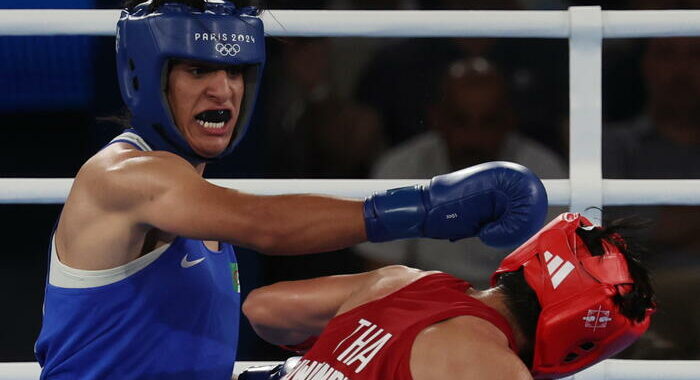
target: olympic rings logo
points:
(228, 49)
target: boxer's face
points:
(205, 102)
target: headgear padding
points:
(146, 40)
(579, 324)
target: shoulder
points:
(391, 278)
(119, 174)
(464, 348)
(119, 157)
(382, 282)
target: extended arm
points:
(165, 192)
(500, 202)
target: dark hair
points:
(522, 302)
(633, 304)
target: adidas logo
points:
(558, 268)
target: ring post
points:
(585, 130)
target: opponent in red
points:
(571, 296)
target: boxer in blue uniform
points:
(142, 281)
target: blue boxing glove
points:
(501, 202)
(270, 372)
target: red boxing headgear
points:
(579, 324)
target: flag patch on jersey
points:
(234, 275)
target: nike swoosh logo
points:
(188, 264)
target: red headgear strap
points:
(580, 324)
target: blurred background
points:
(376, 108)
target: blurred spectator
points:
(664, 143)
(472, 122)
(298, 75)
(400, 80)
(312, 130)
(343, 139)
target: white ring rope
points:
(290, 23)
(31, 370)
(522, 24)
(612, 369)
(616, 192)
(544, 24)
(550, 24)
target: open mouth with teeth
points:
(215, 119)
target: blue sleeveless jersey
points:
(176, 318)
(170, 320)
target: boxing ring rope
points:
(612, 369)
(290, 23)
(616, 192)
(584, 27)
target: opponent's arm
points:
(290, 312)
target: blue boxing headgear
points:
(147, 39)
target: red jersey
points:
(374, 340)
